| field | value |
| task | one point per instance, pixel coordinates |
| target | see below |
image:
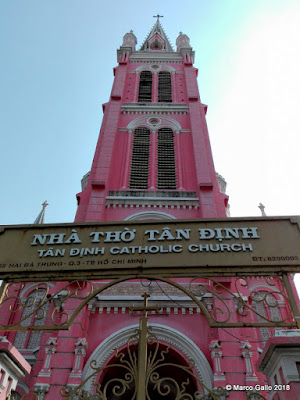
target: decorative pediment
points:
(156, 42)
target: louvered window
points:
(164, 87)
(166, 171)
(139, 171)
(145, 89)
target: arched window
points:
(145, 88)
(32, 316)
(166, 170)
(164, 87)
(139, 169)
(268, 310)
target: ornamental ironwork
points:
(256, 302)
(154, 383)
(26, 396)
(142, 371)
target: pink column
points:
(152, 160)
(173, 84)
(136, 88)
(127, 161)
(154, 88)
(178, 160)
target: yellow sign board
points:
(219, 246)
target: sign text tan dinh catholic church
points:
(219, 245)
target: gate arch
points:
(166, 334)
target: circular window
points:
(154, 121)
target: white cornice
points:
(151, 202)
(155, 56)
(157, 108)
(174, 305)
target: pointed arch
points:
(264, 310)
(32, 316)
(160, 122)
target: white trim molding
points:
(164, 334)
(154, 108)
(149, 216)
(162, 122)
(155, 68)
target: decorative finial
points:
(158, 16)
(262, 209)
(45, 204)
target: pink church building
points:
(153, 162)
(153, 159)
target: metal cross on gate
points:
(142, 349)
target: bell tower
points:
(211, 313)
(153, 158)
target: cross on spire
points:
(158, 16)
(41, 217)
(262, 209)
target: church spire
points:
(40, 219)
(157, 39)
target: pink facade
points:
(108, 195)
(127, 181)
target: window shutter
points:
(166, 169)
(164, 87)
(139, 171)
(145, 88)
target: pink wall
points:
(194, 163)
